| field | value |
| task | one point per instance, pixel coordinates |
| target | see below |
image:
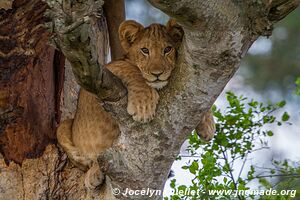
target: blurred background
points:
(267, 74)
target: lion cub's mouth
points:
(157, 84)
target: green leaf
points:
(178, 157)
(281, 104)
(285, 117)
(253, 104)
(297, 91)
(182, 188)
(214, 108)
(264, 182)
(194, 167)
(185, 167)
(270, 133)
(173, 183)
(298, 81)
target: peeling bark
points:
(27, 87)
(30, 92)
(48, 177)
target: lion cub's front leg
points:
(142, 103)
(142, 99)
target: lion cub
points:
(147, 65)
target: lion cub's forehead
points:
(156, 32)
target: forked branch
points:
(77, 28)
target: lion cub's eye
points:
(167, 49)
(145, 50)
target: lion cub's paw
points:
(142, 104)
(79, 160)
(94, 177)
(206, 128)
(207, 133)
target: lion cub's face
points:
(151, 49)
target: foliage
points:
(241, 131)
(297, 89)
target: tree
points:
(217, 36)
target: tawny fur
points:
(142, 72)
(206, 128)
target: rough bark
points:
(24, 98)
(47, 174)
(78, 31)
(50, 176)
(30, 93)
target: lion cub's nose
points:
(157, 73)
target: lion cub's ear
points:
(175, 31)
(128, 31)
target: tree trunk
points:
(24, 56)
(217, 36)
(34, 95)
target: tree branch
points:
(281, 8)
(77, 27)
(115, 14)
